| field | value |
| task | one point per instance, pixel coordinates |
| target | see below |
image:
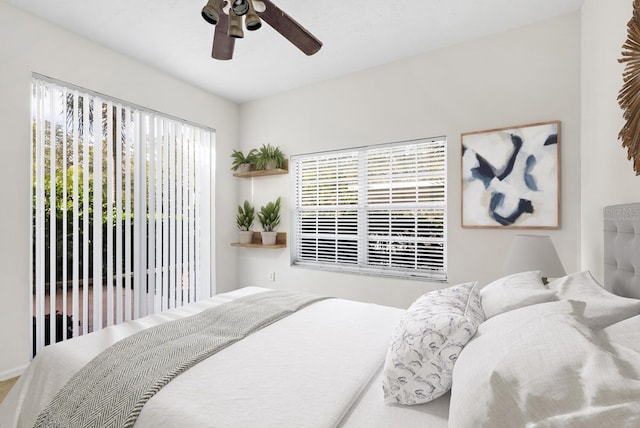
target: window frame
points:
(364, 209)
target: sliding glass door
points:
(121, 211)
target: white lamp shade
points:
(533, 252)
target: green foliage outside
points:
(64, 208)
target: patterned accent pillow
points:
(427, 341)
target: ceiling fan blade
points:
(289, 28)
(222, 44)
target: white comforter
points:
(307, 370)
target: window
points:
(376, 210)
(121, 211)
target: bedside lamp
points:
(533, 252)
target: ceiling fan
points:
(227, 17)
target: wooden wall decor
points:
(629, 95)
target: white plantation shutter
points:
(377, 209)
(121, 199)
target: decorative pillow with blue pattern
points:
(427, 341)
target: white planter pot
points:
(269, 238)
(245, 167)
(245, 236)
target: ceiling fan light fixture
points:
(230, 27)
(235, 26)
(240, 7)
(211, 11)
(252, 20)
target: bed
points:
(513, 353)
(296, 372)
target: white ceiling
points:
(170, 35)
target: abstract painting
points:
(510, 177)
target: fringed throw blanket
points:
(111, 390)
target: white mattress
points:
(370, 411)
(316, 368)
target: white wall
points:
(523, 76)
(608, 177)
(32, 45)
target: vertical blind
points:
(121, 203)
(376, 209)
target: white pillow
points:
(520, 318)
(426, 343)
(603, 307)
(625, 333)
(513, 292)
(545, 371)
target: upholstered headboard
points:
(622, 249)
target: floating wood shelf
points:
(256, 242)
(263, 172)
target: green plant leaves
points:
(269, 215)
(268, 157)
(245, 216)
(240, 159)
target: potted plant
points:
(269, 157)
(244, 220)
(269, 216)
(242, 163)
